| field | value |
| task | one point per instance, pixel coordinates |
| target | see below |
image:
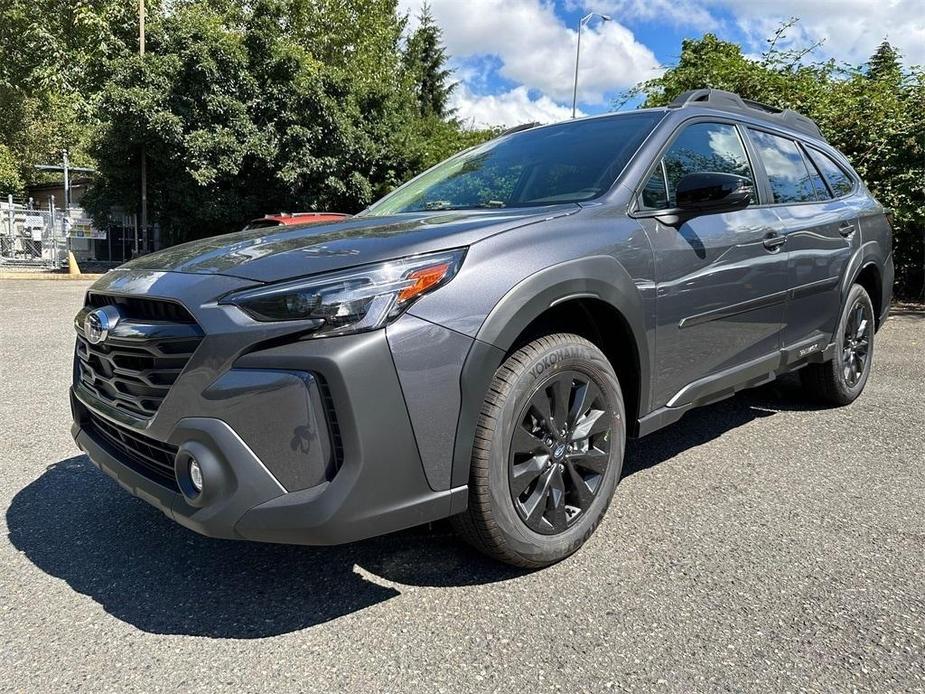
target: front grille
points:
(141, 308)
(133, 376)
(134, 370)
(146, 456)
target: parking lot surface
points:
(757, 545)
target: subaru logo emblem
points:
(99, 323)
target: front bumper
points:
(276, 468)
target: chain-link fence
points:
(40, 238)
(31, 237)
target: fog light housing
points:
(200, 476)
(195, 475)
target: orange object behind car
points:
(289, 218)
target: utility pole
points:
(144, 161)
(67, 180)
(11, 211)
(66, 169)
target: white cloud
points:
(851, 29)
(537, 50)
(691, 13)
(528, 45)
(511, 108)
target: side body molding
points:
(600, 277)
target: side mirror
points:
(713, 192)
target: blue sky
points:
(514, 59)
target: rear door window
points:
(787, 173)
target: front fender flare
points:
(598, 277)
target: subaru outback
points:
(480, 343)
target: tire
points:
(841, 380)
(565, 492)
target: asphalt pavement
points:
(758, 545)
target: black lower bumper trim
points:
(153, 459)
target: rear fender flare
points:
(865, 256)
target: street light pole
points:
(584, 20)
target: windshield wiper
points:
(442, 205)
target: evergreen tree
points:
(884, 65)
(425, 61)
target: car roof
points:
(713, 101)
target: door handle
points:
(773, 241)
(846, 229)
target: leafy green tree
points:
(10, 181)
(425, 61)
(870, 113)
(53, 58)
(245, 108)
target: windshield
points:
(569, 162)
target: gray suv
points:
(479, 343)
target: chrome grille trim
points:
(134, 368)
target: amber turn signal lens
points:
(424, 279)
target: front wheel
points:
(841, 380)
(548, 453)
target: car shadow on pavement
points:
(701, 425)
(74, 523)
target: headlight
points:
(354, 300)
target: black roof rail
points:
(518, 128)
(728, 101)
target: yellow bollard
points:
(72, 267)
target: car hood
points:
(279, 253)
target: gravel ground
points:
(757, 545)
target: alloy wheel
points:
(856, 343)
(559, 452)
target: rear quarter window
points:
(839, 180)
(822, 191)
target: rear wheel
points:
(547, 455)
(841, 380)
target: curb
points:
(56, 276)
